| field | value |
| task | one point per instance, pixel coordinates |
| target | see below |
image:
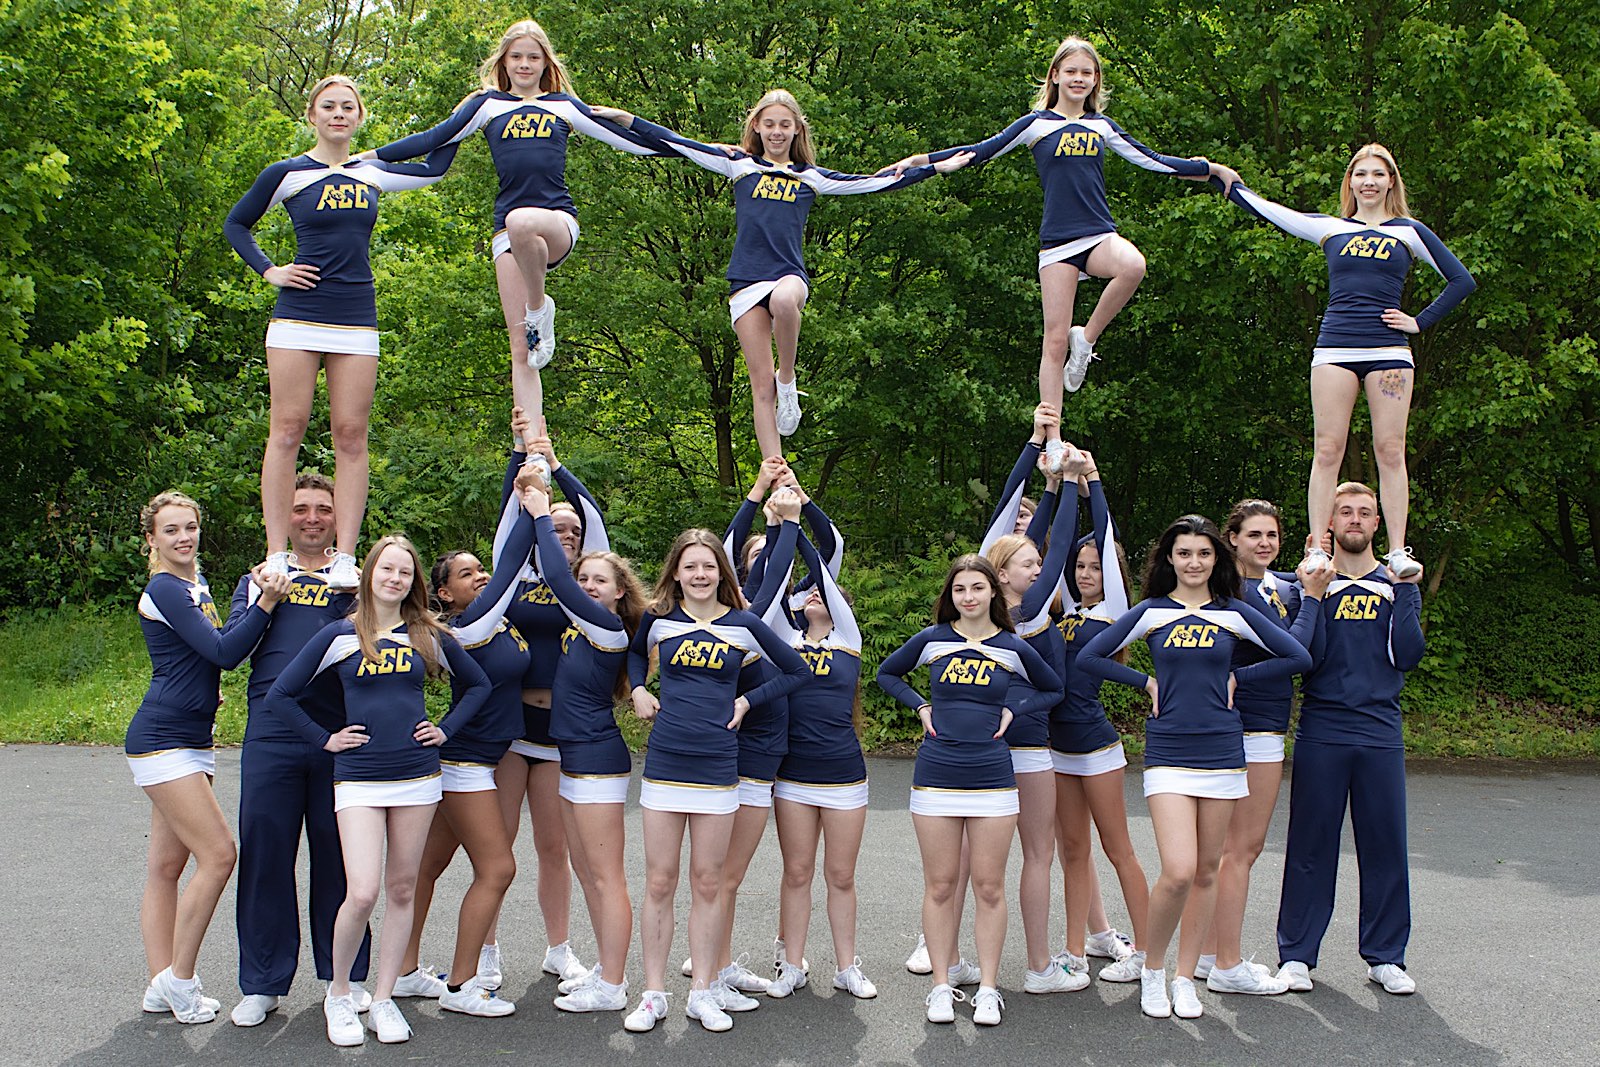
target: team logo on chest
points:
(310, 594)
(528, 124)
(567, 637)
(1085, 143)
(390, 661)
(772, 187)
(1069, 627)
(538, 594)
(344, 196)
(963, 670)
(711, 655)
(1192, 635)
(820, 660)
(1358, 606)
(1369, 247)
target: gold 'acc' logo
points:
(344, 196)
(1191, 635)
(960, 671)
(774, 188)
(1078, 144)
(390, 661)
(1370, 247)
(709, 654)
(528, 125)
(1358, 606)
(820, 660)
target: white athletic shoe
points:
(344, 1026)
(155, 1003)
(942, 1003)
(1153, 999)
(1403, 563)
(1203, 967)
(547, 334)
(779, 955)
(538, 462)
(1111, 945)
(344, 574)
(1393, 978)
(917, 962)
(277, 563)
(1297, 974)
(1125, 970)
(421, 982)
(687, 970)
(986, 1006)
(560, 961)
(788, 407)
(730, 999)
(789, 979)
(1070, 963)
(572, 985)
(1185, 1002)
(852, 981)
(386, 1021)
(1316, 559)
(186, 1000)
(474, 999)
(742, 978)
(1055, 454)
(593, 994)
(651, 1010)
(964, 973)
(1245, 977)
(704, 1007)
(1054, 979)
(1079, 357)
(491, 973)
(253, 1009)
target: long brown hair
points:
(944, 609)
(629, 606)
(669, 594)
(800, 151)
(492, 72)
(1394, 201)
(422, 625)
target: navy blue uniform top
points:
(1264, 705)
(594, 650)
(527, 141)
(1192, 649)
(829, 541)
(189, 649)
(700, 667)
(500, 651)
(384, 696)
(771, 201)
(969, 687)
(333, 210)
(1004, 519)
(311, 604)
(1069, 155)
(1370, 636)
(764, 730)
(1037, 628)
(1367, 267)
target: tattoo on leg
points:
(1392, 384)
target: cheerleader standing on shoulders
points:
(169, 748)
(963, 783)
(1194, 773)
(327, 313)
(386, 763)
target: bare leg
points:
(749, 824)
(754, 330)
(437, 853)
(799, 829)
(475, 819)
(1214, 817)
(663, 849)
(351, 383)
(527, 391)
(190, 821)
(361, 834)
(786, 301)
(1247, 835)
(1058, 288)
(407, 834)
(595, 837)
(841, 847)
(990, 841)
(1109, 807)
(511, 781)
(550, 843)
(708, 851)
(1389, 400)
(1072, 822)
(939, 838)
(1122, 265)
(1333, 398)
(292, 377)
(1036, 825)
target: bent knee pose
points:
(169, 748)
(1068, 135)
(1192, 620)
(386, 762)
(326, 315)
(1363, 343)
(963, 785)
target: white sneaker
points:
(730, 999)
(421, 982)
(651, 1010)
(942, 1003)
(687, 970)
(344, 574)
(852, 981)
(360, 997)
(789, 979)
(1126, 970)
(1111, 945)
(1078, 358)
(986, 1005)
(1203, 967)
(917, 962)
(1185, 1002)
(1055, 454)
(1244, 978)
(344, 1027)
(386, 1021)
(560, 961)
(539, 463)
(474, 999)
(1054, 979)
(779, 955)
(184, 999)
(277, 563)
(964, 973)
(1393, 978)
(1317, 560)
(1153, 1000)
(253, 1009)
(742, 978)
(1070, 963)
(788, 407)
(490, 972)
(1404, 565)
(572, 985)
(155, 1003)
(547, 334)
(704, 1007)
(1297, 975)
(593, 994)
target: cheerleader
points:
(701, 636)
(744, 549)
(1192, 619)
(963, 783)
(169, 748)
(1068, 135)
(386, 762)
(527, 112)
(775, 180)
(1363, 344)
(326, 312)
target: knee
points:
(1177, 880)
(799, 875)
(1133, 268)
(707, 884)
(220, 859)
(285, 432)
(362, 896)
(841, 879)
(939, 890)
(400, 892)
(168, 868)
(522, 227)
(989, 892)
(350, 436)
(763, 386)
(552, 852)
(1056, 336)
(785, 307)
(498, 873)
(661, 886)
(1390, 451)
(1328, 451)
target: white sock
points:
(607, 987)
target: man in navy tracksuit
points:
(1349, 751)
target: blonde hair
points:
(1394, 201)
(800, 150)
(1049, 92)
(492, 72)
(422, 625)
(326, 84)
(147, 521)
(1001, 552)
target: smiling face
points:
(524, 64)
(463, 581)
(311, 522)
(1088, 576)
(698, 574)
(1355, 521)
(1193, 557)
(816, 610)
(971, 593)
(174, 538)
(1075, 77)
(776, 126)
(569, 531)
(391, 575)
(1370, 182)
(598, 579)
(335, 112)
(1257, 543)
(1021, 571)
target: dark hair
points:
(1160, 578)
(1070, 575)
(944, 609)
(1249, 509)
(440, 575)
(313, 480)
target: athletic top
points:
(594, 650)
(333, 210)
(1264, 705)
(829, 541)
(385, 696)
(1370, 636)
(764, 730)
(771, 201)
(1069, 155)
(969, 689)
(1004, 519)
(527, 141)
(501, 652)
(189, 649)
(534, 610)
(1037, 628)
(1192, 649)
(1367, 267)
(311, 604)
